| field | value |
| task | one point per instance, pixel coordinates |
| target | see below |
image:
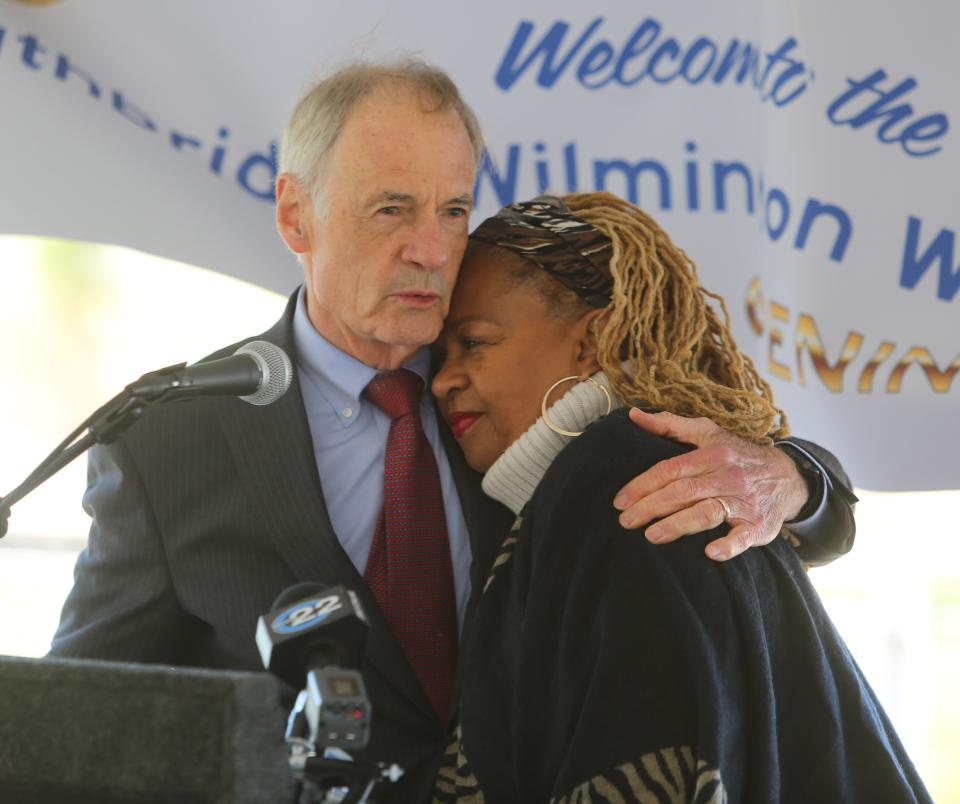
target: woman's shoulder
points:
(611, 448)
(578, 489)
(573, 529)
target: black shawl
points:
(601, 665)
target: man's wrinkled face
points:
(385, 249)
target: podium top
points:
(83, 730)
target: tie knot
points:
(396, 393)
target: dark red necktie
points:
(409, 569)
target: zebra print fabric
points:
(668, 776)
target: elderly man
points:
(205, 511)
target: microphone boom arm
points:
(259, 372)
(103, 426)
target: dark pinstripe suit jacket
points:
(202, 514)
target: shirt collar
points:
(337, 376)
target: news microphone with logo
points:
(259, 372)
(319, 633)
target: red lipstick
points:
(461, 422)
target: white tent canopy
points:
(803, 154)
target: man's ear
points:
(293, 207)
(586, 331)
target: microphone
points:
(259, 372)
(319, 633)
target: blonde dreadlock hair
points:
(680, 354)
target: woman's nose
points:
(448, 379)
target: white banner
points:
(804, 155)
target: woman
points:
(597, 666)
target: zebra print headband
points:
(545, 232)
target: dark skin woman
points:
(598, 666)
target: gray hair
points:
(319, 115)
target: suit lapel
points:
(487, 520)
(487, 523)
(273, 451)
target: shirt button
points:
(346, 413)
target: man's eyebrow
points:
(466, 199)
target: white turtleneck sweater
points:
(516, 474)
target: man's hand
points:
(726, 479)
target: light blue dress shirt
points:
(350, 440)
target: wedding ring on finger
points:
(727, 514)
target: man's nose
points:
(428, 245)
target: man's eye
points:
(388, 211)
(458, 212)
(470, 343)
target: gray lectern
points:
(88, 732)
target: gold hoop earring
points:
(546, 396)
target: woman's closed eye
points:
(461, 345)
(471, 343)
